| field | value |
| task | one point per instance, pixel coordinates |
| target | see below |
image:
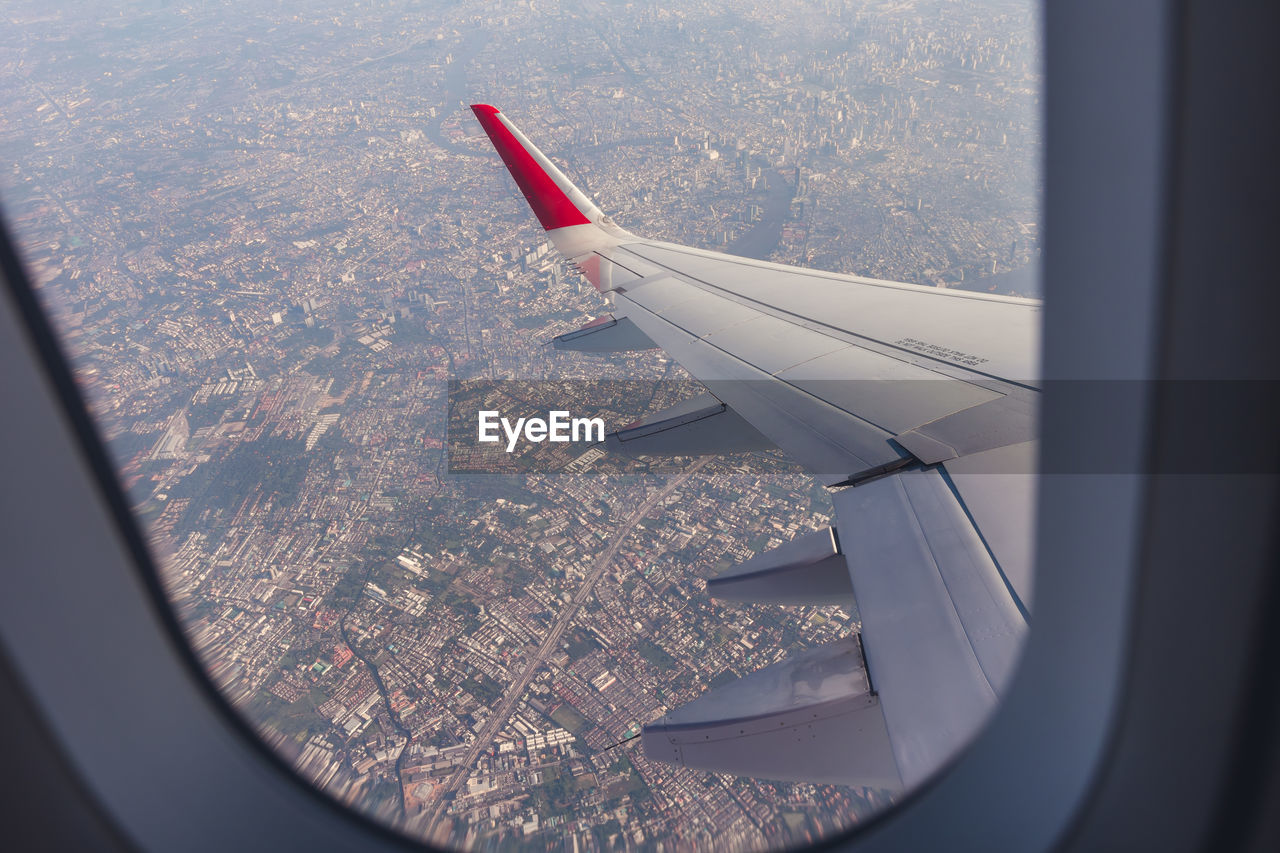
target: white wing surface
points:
(916, 405)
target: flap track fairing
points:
(808, 570)
(699, 426)
(606, 334)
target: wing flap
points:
(853, 399)
(773, 345)
(893, 394)
(998, 489)
(812, 717)
(1002, 421)
(940, 629)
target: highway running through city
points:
(551, 642)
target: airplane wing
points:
(917, 406)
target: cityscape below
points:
(270, 239)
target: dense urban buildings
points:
(271, 235)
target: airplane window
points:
(294, 251)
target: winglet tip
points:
(547, 191)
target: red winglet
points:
(553, 208)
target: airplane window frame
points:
(181, 770)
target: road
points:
(551, 642)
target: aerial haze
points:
(271, 236)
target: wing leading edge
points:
(918, 407)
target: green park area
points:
(569, 719)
